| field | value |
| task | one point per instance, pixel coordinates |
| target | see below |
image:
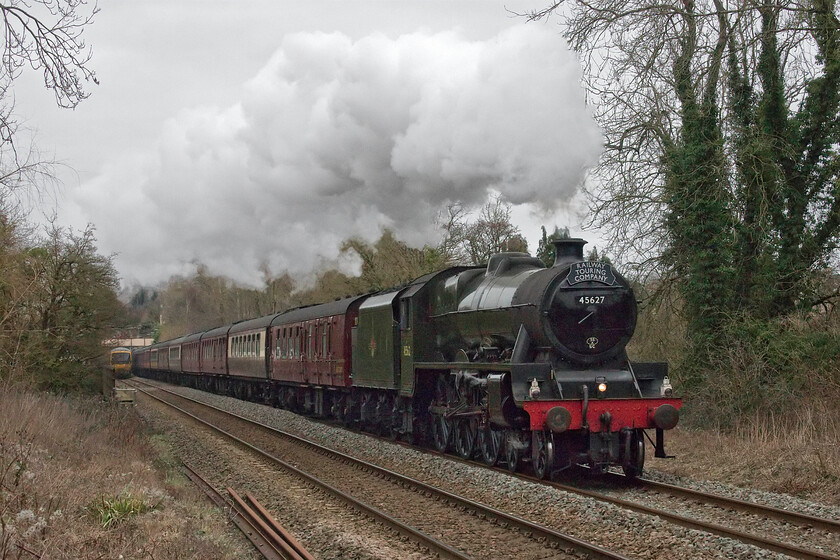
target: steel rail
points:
(796, 518)
(287, 550)
(756, 540)
(762, 542)
(523, 525)
(277, 529)
(434, 546)
(260, 542)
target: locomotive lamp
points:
(667, 390)
(534, 392)
(602, 387)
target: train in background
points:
(120, 362)
(514, 363)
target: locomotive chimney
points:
(568, 250)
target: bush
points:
(110, 511)
(784, 370)
(75, 476)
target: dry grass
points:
(66, 463)
(798, 455)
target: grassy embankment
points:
(80, 478)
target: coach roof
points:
(338, 307)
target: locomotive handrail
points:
(458, 311)
(504, 367)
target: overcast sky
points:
(263, 133)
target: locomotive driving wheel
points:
(542, 451)
(465, 437)
(490, 445)
(442, 427)
(513, 451)
(441, 433)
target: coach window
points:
(329, 339)
(301, 342)
(281, 335)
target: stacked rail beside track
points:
(266, 542)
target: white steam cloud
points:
(337, 138)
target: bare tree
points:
(473, 242)
(45, 35)
(721, 165)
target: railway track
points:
(724, 508)
(712, 513)
(479, 530)
(723, 523)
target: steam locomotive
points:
(513, 363)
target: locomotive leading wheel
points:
(542, 451)
(634, 457)
(490, 445)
